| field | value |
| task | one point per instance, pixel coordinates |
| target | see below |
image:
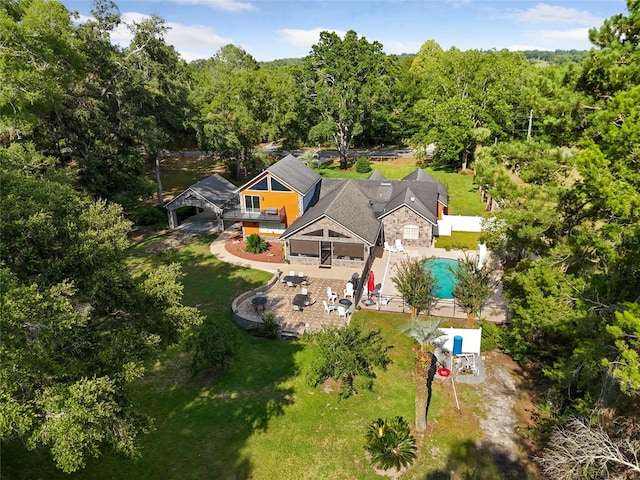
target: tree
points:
(425, 333)
(461, 92)
(583, 450)
(416, 285)
(390, 443)
(626, 333)
(229, 120)
(347, 355)
(77, 324)
(345, 84)
(473, 286)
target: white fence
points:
(458, 223)
(471, 338)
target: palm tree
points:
(424, 332)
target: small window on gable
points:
(315, 233)
(411, 232)
(261, 185)
(337, 234)
(276, 186)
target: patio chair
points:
(384, 300)
(331, 295)
(399, 246)
(292, 273)
(290, 284)
(304, 291)
(296, 308)
(342, 312)
(389, 248)
(328, 308)
(348, 291)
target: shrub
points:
(391, 444)
(270, 327)
(148, 215)
(492, 336)
(255, 244)
(215, 344)
(363, 165)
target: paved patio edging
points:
(245, 321)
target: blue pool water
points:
(445, 281)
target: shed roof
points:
(215, 189)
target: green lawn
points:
(459, 240)
(259, 419)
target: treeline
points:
(82, 121)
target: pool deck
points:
(385, 267)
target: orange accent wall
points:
(442, 210)
(270, 199)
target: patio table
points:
(300, 300)
(346, 302)
(259, 302)
(295, 279)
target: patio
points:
(294, 323)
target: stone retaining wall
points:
(241, 318)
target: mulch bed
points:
(236, 245)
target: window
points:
(276, 186)
(261, 185)
(354, 251)
(411, 232)
(252, 203)
(304, 248)
(271, 228)
(315, 233)
(337, 234)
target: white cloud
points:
(305, 38)
(545, 14)
(577, 38)
(395, 47)
(233, 6)
(191, 41)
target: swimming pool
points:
(445, 281)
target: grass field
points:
(260, 419)
(459, 240)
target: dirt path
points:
(508, 409)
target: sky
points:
(270, 30)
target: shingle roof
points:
(376, 175)
(294, 173)
(214, 189)
(421, 204)
(347, 206)
(422, 176)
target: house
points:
(331, 221)
(271, 201)
(214, 193)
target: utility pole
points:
(530, 122)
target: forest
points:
(554, 147)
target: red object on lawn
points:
(444, 372)
(371, 282)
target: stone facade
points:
(394, 223)
(325, 224)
